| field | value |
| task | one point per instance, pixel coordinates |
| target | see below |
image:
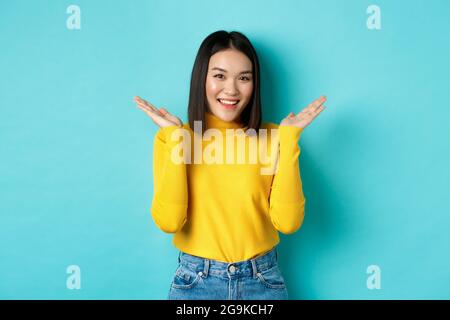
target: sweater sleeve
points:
(287, 202)
(170, 196)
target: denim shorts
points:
(199, 278)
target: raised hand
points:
(306, 116)
(160, 116)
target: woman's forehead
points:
(230, 61)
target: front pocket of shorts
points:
(185, 278)
(272, 278)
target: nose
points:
(230, 88)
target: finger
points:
(148, 111)
(309, 116)
(147, 107)
(318, 102)
(157, 119)
(314, 105)
(170, 116)
(146, 103)
(166, 114)
(139, 100)
(305, 113)
(312, 109)
(318, 111)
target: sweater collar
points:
(212, 121)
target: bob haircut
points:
(198, 104)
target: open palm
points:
(306, 116)
(161, 116)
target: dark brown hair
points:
(215, 42)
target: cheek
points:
(212, 88)
(247, 91)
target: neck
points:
(212, 121)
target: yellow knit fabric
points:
(230, 211)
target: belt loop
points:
(254, 268)
(206, 267)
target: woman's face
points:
(229, 80)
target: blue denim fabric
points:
(199, 278)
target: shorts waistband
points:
(244, 268)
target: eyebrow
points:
(223, 70)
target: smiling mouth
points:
(228, 103)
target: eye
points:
(245, 78)
(218, 76)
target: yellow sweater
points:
(228, 211)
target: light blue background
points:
(76, 153)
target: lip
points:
(229, 106)
(229, 99)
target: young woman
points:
(226, 213)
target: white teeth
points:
(228, 101)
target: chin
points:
(228, 116)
